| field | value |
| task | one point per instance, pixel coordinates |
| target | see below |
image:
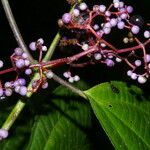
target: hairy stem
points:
(15, 29)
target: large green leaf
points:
(123, 113)
(64, 125)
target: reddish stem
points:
(7, 71)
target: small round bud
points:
(66, 74)
(44, 48)
(17, 89)
(108, 13)
(113, 22)
(21, 81)
(135, 29)
(20, 63)
(71, 79)
(134, 76)
(76, 12)
(45, 85)
(28, 71)
(60, 23)
(103, 45)
(138, 63)
(23, 90)
(109, 62)
(49, 74)
(126, 40)
(123, 16)
(1, 63)
(121, 25)
(142, 79)
(97, 56)
(1, 92)
(32, 46)
(147, 57)
(118, 60)
(18, 51)
(107, 30)
(3, 134)
(24, 55)
(66, 18)
(41, 41)
(8, 92)
(129, 73)
(85, 47)
(129, 9)
(102, 8)
(76, 78)
(83, 6)
(147, 34)
(8, 85)
(26, 62)
(96, 27)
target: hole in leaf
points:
(110, 105)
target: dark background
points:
(38, 18)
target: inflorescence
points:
(90, 27)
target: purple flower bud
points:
(26, 62)
(102, 8)
(24, 55)
(135, 29)
(41, 41)
(3, 134)
(23, 90)
(83, 6)
(113, 22)
(45, 85)
(8, 85)
(129, 9)
(21, 81)
(107, 30)
(1, 92)
(1, 63)
(20, 63)
(18, 51)
(66, 18)
(109, 62)
(121, 25)
(8, 92)
(147, 34)
(28, 71)
(32, 46)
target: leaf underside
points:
(123, 113)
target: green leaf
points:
(123, 113)
(64, 125)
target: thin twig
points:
(69, 86)
(15, 29)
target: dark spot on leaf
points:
(110, 105)
(114, 89)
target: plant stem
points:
(15, 29)
(20, 104)
(69, 86)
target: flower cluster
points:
(90, 31)
(21, 64)
(98, 23)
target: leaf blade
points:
(119, 115)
